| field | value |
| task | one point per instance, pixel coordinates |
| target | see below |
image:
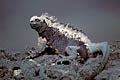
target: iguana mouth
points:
(35, 24)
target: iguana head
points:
(42, 22)
(38, 24)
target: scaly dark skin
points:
(56, 40)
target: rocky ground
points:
(16, 66)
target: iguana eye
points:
(37, 20)
(43, 21)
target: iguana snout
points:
(35, 24)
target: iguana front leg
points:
(104, 47)
(42, 44)
(41, 47)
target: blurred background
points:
(100, 19)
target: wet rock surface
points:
(15, 66)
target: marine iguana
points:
(64, 38)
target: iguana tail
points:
(104, 47)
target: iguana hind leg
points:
(73, 52)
